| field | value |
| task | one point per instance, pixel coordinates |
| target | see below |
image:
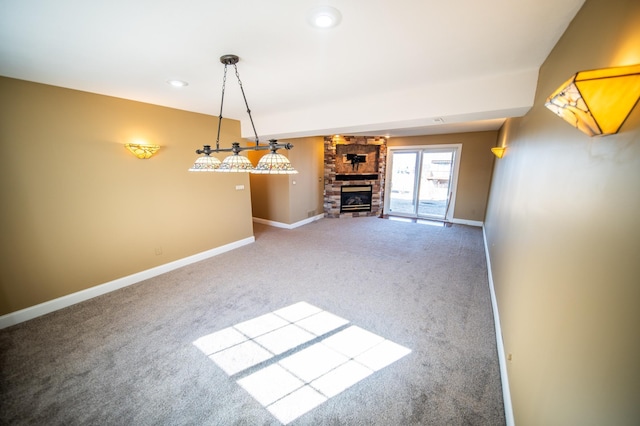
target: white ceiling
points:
(395, 68)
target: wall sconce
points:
(597, 102)
(498, 151)
(142, 151)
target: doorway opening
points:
(422, 181)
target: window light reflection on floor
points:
(324, 356)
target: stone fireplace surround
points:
(333, 181)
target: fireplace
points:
(354, 162)
(355, 198)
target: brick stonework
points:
(332, 186)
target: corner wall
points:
(564, 242)
(289, 199)
(79, 210)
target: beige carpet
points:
(129, 357)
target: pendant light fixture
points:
(271, 163)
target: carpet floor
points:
(360, 321)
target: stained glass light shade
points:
(142, 151)
(235, 163)
(498, 151)
(205, 164)
(597, 102)
(274, 163)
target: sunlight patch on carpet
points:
(306, 355)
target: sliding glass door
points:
(421, 181)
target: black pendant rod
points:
(246, 104)
(224, 81)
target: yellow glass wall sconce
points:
(597, 102)
(142, 151)
(498, 151)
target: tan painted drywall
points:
(476, 165)
(563, 231)
(270, 197)
(291, 198)
(78, 210)
(307, 194)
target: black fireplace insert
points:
(355, 198)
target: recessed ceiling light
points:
(177, 83)
(324, 17)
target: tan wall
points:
(307, 195)
(270, 196)
(476, 165)
(79, 210)
(564, 235)
(291, 198)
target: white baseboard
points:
(467, 222)
(286, 225)
(506, 393)
(80, 296)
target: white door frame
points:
(457, 148)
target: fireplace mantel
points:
(356, 177)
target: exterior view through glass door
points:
(421, 183)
